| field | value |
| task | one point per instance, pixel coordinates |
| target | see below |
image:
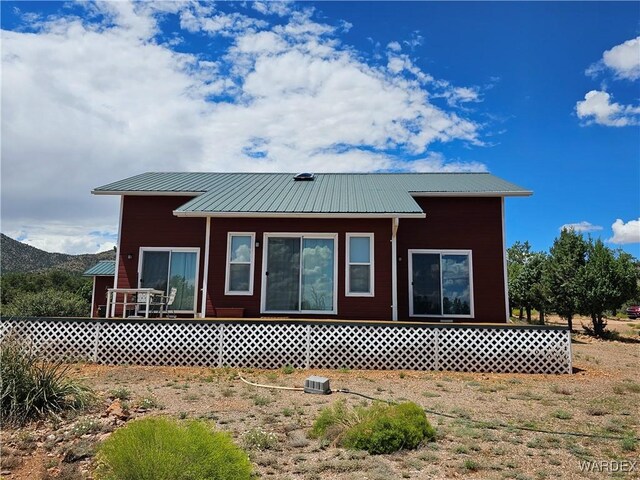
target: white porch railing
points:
(273, 344)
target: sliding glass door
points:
(164, 269)
(155, 270)
(283, 274)
(300, 273)
(440, 283)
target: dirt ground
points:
(489, 426)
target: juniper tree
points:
(607, 280)
(534, 292)
(567, 258)
(517, 255)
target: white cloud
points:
(458, 95)
(624, 233)
(394, 46)
(597, 107)
(61, 238)
(270, 7)
(89, 101)
(261, 43)
(401, 63)
(204, 18)
(582, 227)
(623, 60)
(415, 41)
(435, 162)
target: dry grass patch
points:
(487, 407)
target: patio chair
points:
(155, 307)
(169, 303)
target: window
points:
(440, 283)
(240, 264)
(167, 268)
(299, 273)
(359, 265)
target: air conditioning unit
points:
(317, 385)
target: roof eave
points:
(191, 214)
(523, 193)
(154, 193)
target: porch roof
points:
(102, 268)
(379, 194)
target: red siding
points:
(459, 223)
(366, 308)
(149, 222)
(452, 223)
(100, 285)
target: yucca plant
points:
(31, 388)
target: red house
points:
(396, 246)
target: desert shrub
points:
(149, 402)
(381, 428)
(260, 401)
(84, 426)
(47, 303)
(471, 465)
(258, 439)
(333, 421)
(156, 448)
(31, 388)
(388, 428)
(629, 444)
(288, 369)
(121, 393)
(562, 414)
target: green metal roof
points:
(385, 194)
(178, 182)
(102, 268)
(480, 183)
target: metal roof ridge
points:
(316, 173)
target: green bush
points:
(47, 303)
(31, 388)
(388, 428)
(158, 448)
(334, 421)
(14, 283)
(380, 428)
(629, 444)
(288, 369)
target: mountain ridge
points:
(18, 257)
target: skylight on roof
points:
(306, 176)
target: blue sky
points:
(543, 94)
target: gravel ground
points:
(516, 410)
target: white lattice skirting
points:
(269, 344)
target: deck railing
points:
(300, 344)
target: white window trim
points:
(195, 250)
(441, 253)
(263, 289)
(252, 263)
(370, 264)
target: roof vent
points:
(304, 177)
